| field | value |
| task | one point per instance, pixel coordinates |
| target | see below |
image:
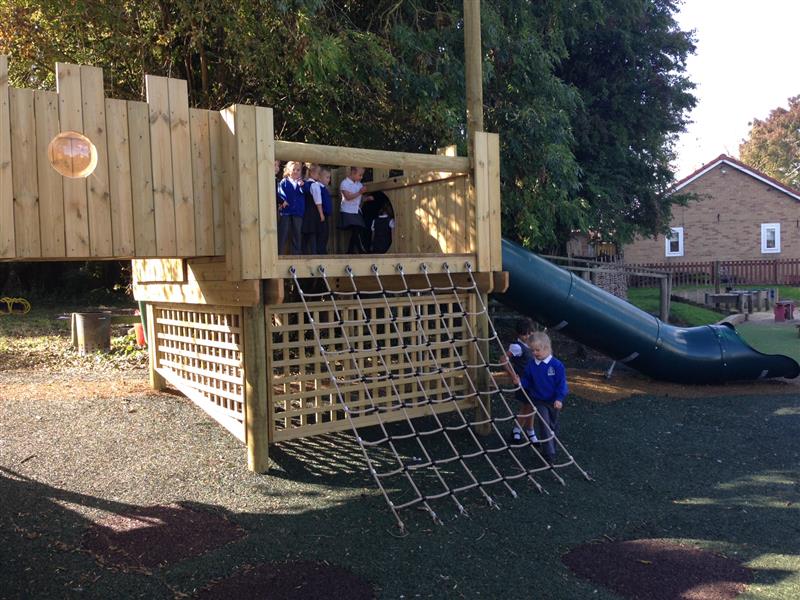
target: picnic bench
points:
(741, 301)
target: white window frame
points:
(765, 227)
(671, 237)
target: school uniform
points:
(290, 218)
(311, 221)
(351, 209)
(545, 381)
(382, 234)
(519, 356)
(324, 227)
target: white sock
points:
(531, 433)
(517, 429)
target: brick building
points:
(740, 214)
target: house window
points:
(770, 238)
(674, 242)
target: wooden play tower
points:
(189, 196)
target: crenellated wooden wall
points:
(156, 190)
(177, 182)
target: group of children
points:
(532, 366)
(305, 207)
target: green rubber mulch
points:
(157, 536)
(718, 473)
(289, 580)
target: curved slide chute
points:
(560, 300)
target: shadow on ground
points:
(719, 473)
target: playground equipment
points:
(278, 347)
(559, 299)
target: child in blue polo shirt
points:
(545, 381)
(291, 207)
(314, 218)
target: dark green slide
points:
(561, 301)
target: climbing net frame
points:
(413, 461)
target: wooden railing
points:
(726, 272)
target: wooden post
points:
(473, 69)
(256, 423)
(156, 380)
(337, 242)
(716, 276)
(482, 330)
(474, 85)
(664, 306)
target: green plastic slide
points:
(561, 301)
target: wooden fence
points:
(781, 271)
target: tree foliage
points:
(627, 60)
(587, 95)
(773, 145)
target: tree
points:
(773, 145)
(587, 95)
(627, 61)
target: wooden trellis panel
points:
(199, 350)
(304, 398)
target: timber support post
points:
(157, 381)
(665, 284)
(256, 423)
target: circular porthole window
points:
(72, 154)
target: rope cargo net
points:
(417, 461)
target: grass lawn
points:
(648, 299)
(771, 338)
(719, 473)
(784, 291)
(42, 336)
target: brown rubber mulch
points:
(592, 385)
(289, 581)
(654, 569)
(154, 536)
